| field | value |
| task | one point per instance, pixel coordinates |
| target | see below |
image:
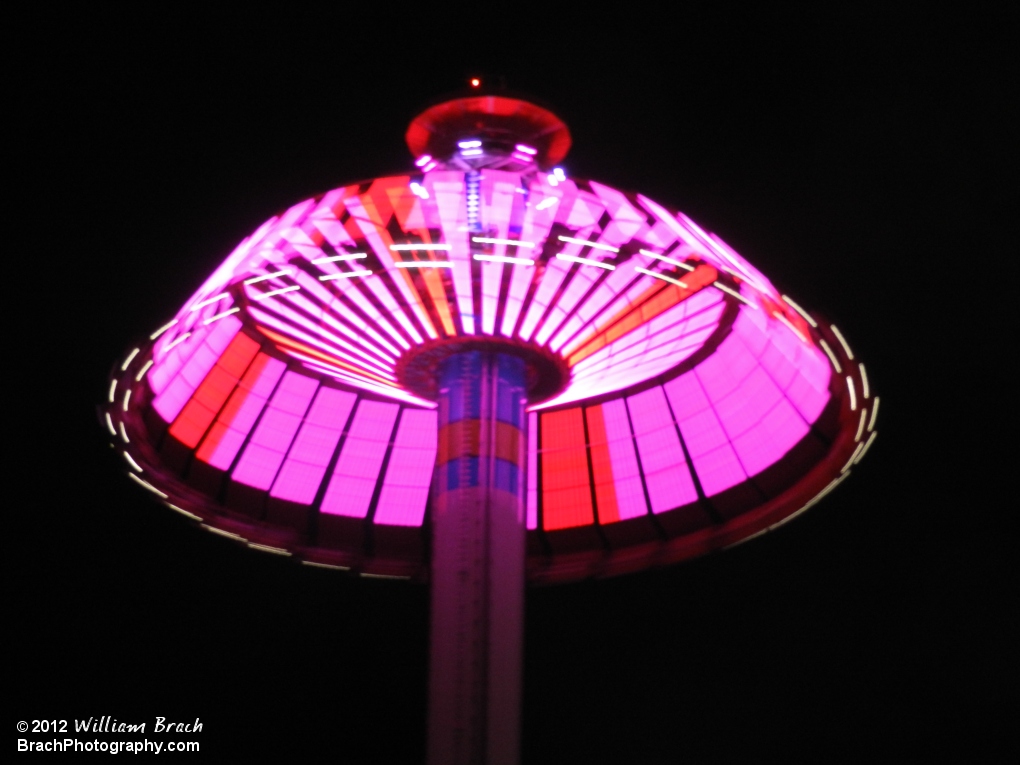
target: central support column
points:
(477, 575)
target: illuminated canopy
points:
(679, 403)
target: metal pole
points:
(477, 575)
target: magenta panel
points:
(233, 433)
(741, 409)
(305, 466)
(714, 460)
(778, 362)
(409, 473)
(809, 400)
(753, 328)
(718, 469)
(666, 473)
(271, 439)
(630, 496)
(173, 398)
(357, 471)
(166, 368)
(722, 372)
(779, 430)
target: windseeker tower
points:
(484, 373)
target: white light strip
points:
(586, 243)
(423, 264)
(183, 511)
(867, 445)
(337, 258)
(210, 301)
(129, 359)
(383, 576)
(815, 500)
(127, 398)
(874, 414)
(547, 202)
(663, 277)
(345, 275)
(737, 295)
(831, 355)
(146, 485)
(123, 433)
(755, 535)
(113, 390)
(222, 533)
(134, 465)
(663, 258)
(162, 329)
(853, 393)
(586, 261)
(405, 247)
(176, 342)
(143, 370)
(801, 311)
(256, 279)
(860, 425)
(842, 341)
(223, 315)
(325, 565)
(471, 152)
(853, 458)
(274, 293)
(268, 549)
(865, 389)
(490, 240)
(505, 259)
(790, 324)
(109, 425)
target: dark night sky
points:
(857, 157)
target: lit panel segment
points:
(799, 369)
(773, 436)
(179, 389)
(566, 487)
(615, 472)
(715, 462)
(235, 421)
(357, 471)
(198, 414)
(667, 476)
(306, 463)
(273, 435)
(405, 490)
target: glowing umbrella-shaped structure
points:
(482, 373)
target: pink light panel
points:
(179, 388)
(354, 480)
(409, 474)
(235, 421)
(306, 463)
(273, 435)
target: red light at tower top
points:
(475, 82)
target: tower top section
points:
(488, 131)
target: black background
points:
(856, 156)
